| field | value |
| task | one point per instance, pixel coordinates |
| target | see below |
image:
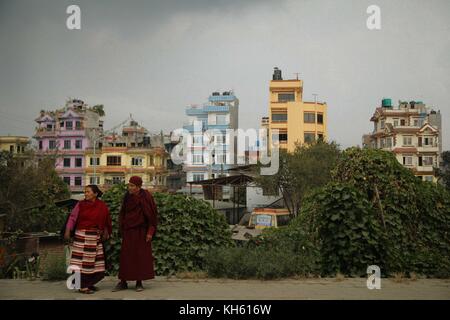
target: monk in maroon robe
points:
(137, 223)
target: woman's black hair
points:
(95, 189)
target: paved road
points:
(171, 289)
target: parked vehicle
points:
(252, 225)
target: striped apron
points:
(87, 252)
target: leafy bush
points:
(277, 253)
(188, 228)
(377, 212)
(55, 268)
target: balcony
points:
(195, 110)
(211, 108)
(75, 132)
(228, 98)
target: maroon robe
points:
(138, 217)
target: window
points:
(416, 122)
(40, 145)
(320, 136)
(220, 139)
(309, 117)
(283, 137)
(220, 158)
(78, 162)
(67, 144)
(66, 162)
(78, 144)
(66, 180)
(407, 160)
(282, 220)
(382, 143)
(309, 137)
(395, 122)
(389, 142)
(78, 125)
(94, 180)
(197, 158)
(428, 161)
(52, 144)
(49, 127)
(402, 122)
(284, 97)
(320, 118)
(78, 181)
(61, 124)
(279, 117)
(221, 119)
(428, 141)
(428, 178)
(197, 140)
(197, 177)
(11, 148)
(382, 124)
(407, 140)
(113, 161)
(94, 161)
(117, 180)
(69, 125)
(136, 162)
(152, 161)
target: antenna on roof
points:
(296, 74)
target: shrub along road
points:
(163, 288)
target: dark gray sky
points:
(152, 58)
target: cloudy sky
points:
(153, 58)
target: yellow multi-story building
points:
(133, 153)
(14, 144)
(297, 121)
(114, 165)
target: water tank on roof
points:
(277, 74)
(386, 103)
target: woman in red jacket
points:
(92, 224)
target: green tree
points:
(29, 186)
(99, 108)
(307, 168)
(444, 171)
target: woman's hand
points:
(148, 238)
(105, 235)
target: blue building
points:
(220, 114)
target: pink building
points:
(66, 134)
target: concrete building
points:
(120, 156)
(220, 113)
(65, 134)
(412, 131)
(14, 144)
(297, 121)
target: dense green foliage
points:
(187, 230)
(377, 212)
(28, 189)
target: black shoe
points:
(139, 287)
(94, 288)
(120, 286)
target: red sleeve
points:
(108, 224)
(151, 213)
